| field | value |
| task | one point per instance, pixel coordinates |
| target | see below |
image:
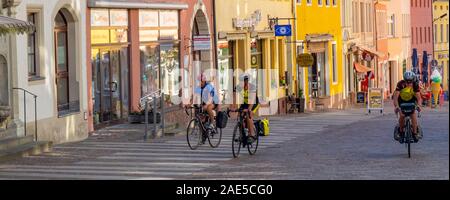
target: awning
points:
(372, 51)
(361, 68)
(11, 25)
(318, 37)
(138, 4)
(232, 35)
(265, 34)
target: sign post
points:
(375, 100)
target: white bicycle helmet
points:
(409, 76)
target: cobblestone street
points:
(335, 145)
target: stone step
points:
(12, 142)
(33, 148)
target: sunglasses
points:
(409, 81)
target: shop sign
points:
(360, 97)
(248, 22)
(202, 42)
(168, 18)
(375, 99)
(283, 30)
(148, 18)
(119, 17)
(99, 17)
(305, 60)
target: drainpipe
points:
(216, 61)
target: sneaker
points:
(416, 137)
(397, 134)
(251, 139)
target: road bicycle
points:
(240, 134)
(199, 129)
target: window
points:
(412, 35)
(429, 34)
(319, 2)
(335, 3)
(447, 33)
(159, 51)
(327, 2)
(442, 33)
(435, 33)
(415, 4)
(225, 61)
(333, 46)
(32, 48)
(309, 2)
(421, 35)
(392, 26)
(299, 1)
(417, 35)
(420, 3)
(363, 17)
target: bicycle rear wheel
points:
(254, 145)
(215, 137)
(193, 134)
(237, 141)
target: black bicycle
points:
(407, 138)
(198, 129)
(240, 134)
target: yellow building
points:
(246, 40)
(441, 37)
(319, 34)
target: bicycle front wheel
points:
(193, 134)
(214, 137)
(254, 145)
(408, 137)
(237, 141)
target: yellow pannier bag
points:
(265, 125)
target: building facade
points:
(47, 63)
(246, 43)
(441, 37)
(382, 76)
(422, 37)
(141, 47)
(323, 82)
(359, 47)
(399, 42)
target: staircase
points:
(15, 147)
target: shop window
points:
(226, 67)
(109, 26)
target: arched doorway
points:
(67, 87)
(4, 92)
(201, 58)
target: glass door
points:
(110, 84)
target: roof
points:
(11, 25)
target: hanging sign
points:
(305, 60)
(283, 30)
(202, 42)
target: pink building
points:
(422, 33)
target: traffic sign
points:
(283, 30)
(305, 60)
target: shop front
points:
(139, 49)
(247, 44)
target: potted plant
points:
(301, 101)
(135, 117)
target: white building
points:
(50, 63)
